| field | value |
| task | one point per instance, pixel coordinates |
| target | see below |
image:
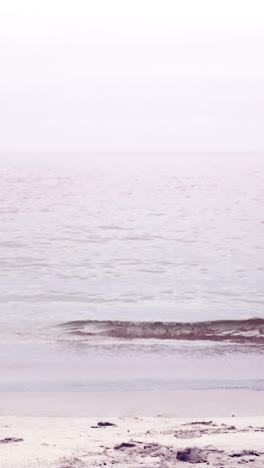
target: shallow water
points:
(174, 238)
(35, 366)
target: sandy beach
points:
(134, 429)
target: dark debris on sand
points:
(192, 455)
(103, 424)
(147, 455)
(10, 440)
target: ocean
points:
(131, 271)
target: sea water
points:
(129, 237)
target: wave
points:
(242, 331)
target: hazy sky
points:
(138, 75)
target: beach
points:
(133, 429)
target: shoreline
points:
(172, 404)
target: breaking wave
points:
(242, 331)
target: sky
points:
(131, 76)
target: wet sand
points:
(146, 429)
(179, 404)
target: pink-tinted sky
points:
(116, 75)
